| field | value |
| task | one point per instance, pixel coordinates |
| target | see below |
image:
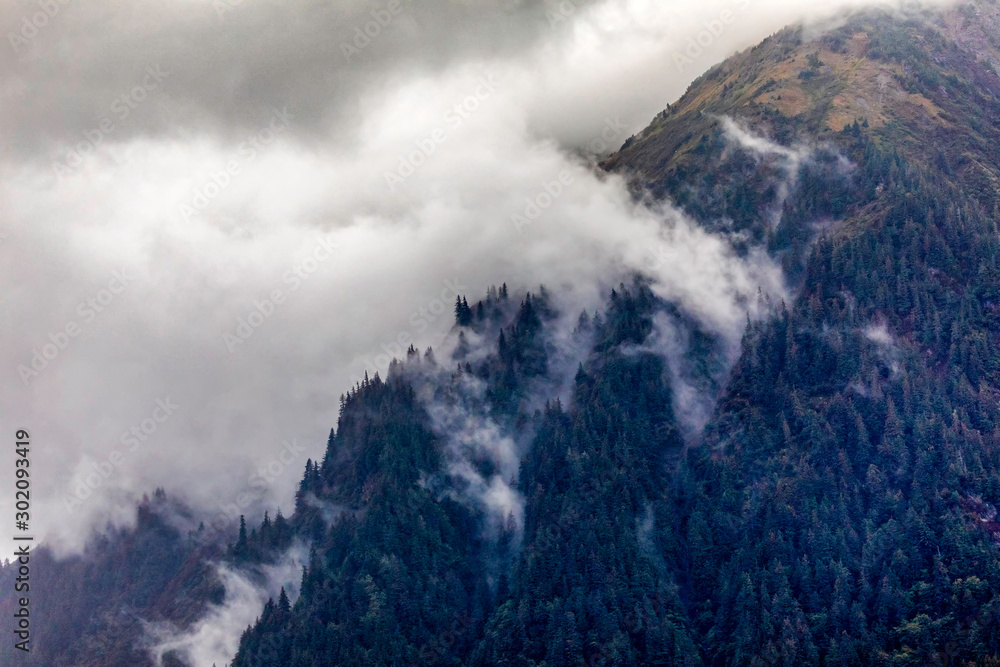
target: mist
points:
(214, 638)
(188, 287)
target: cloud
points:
(789, 159)
(214, 638)
(694, 381)
(301, 262)
(887, 349)
(461, 418)
(879, 334)
(231, 61)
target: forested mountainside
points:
(838, 509)
(94, 608)
(538, 497)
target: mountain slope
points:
(924, 85)
(838, 507)
(93, 608)
(534, 496)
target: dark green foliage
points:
(833, 497)
(586, 588)
(840, 507)
(90, 608)
(463, 313)
(392, 574)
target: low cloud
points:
(564, 89)
(214, 638)
(459, 414)
(789, 160)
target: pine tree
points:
(242, 548)
(284, 607)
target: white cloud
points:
(558, 89)
(214, 638)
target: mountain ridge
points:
(839, 506)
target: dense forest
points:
(838, 509)
(840, 505)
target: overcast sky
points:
(168, 169)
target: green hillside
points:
(840, 507)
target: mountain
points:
(541, 495)
(94, 608)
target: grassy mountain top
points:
(925, 85)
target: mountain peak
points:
(902, 77)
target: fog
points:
(214, 638)
(215, 216)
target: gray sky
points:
(168, 168)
